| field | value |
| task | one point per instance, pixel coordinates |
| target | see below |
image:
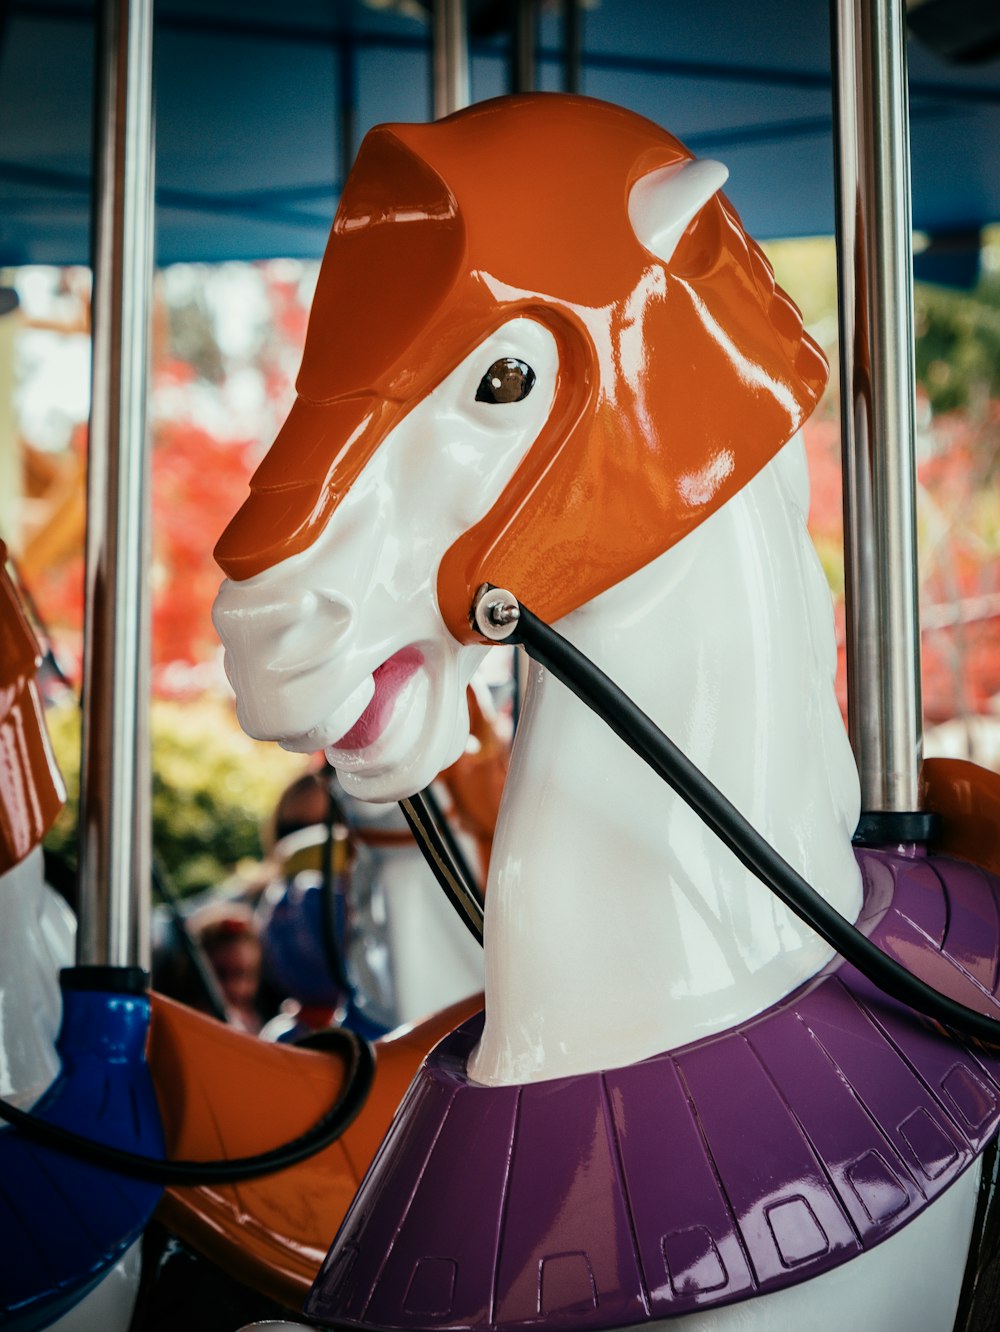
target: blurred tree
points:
(958, 344)
(213, 787)
(191, 334)
(198, 482)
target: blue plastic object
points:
(296, 960)
(294, 952)
(65, 1222)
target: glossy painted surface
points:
(36, 927)
(65, 1222)
(36, 940)
(69, 1232)
(678, 380)
(617, 925)
(305, 639)
(31, 790)
(475, 782)
(274, 1326)
(598, 871)
(668, 375)
(226, 1094)
(967, 800)
(407, 952)
(732, 1168)
(111, 1303)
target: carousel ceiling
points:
(256, 99)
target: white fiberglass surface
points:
(909, 1283)
(37, 933)
(305, 638)
(617, 924)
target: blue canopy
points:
(252, 97)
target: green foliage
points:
(807, 269)
(212, 788)
(957, 332)
(831, 557)
(958, 344)
(191, 326)
(63, 724)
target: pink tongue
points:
(389, 679)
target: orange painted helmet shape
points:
(678, 381)
(31, 790)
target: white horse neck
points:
(36, 939)
(617, 924)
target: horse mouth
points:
(389, 680)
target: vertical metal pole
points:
(348, 102)
(876, 350)
(572, 45)
(451, 58)
(114, 822)
(523, 54)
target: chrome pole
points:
(114, 803)
(451, 58)
(572, 45)
(523, 56)
(875, 274)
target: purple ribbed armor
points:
(748, 1161)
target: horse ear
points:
(663, 203)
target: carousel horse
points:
(391, 923)
(404, 951)
(544, 355)
(62, 1266)
(432, 958)
(70, 1259)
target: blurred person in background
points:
(228, 937)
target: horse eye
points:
(505, 381)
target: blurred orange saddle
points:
(224, 1094)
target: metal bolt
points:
(495, 613)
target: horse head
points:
(542, 350)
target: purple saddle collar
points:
(748, 1161)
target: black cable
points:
(644, 737)
(462, 895)
(200, 965)
(328, 895)
(459, 859)
(360, 1073)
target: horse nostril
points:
(330, 613)
(281, 628)
(334, 611)
(306, 629)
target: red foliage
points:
(288, 315)
(960, 575)
(826, 512)
(198, 482)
